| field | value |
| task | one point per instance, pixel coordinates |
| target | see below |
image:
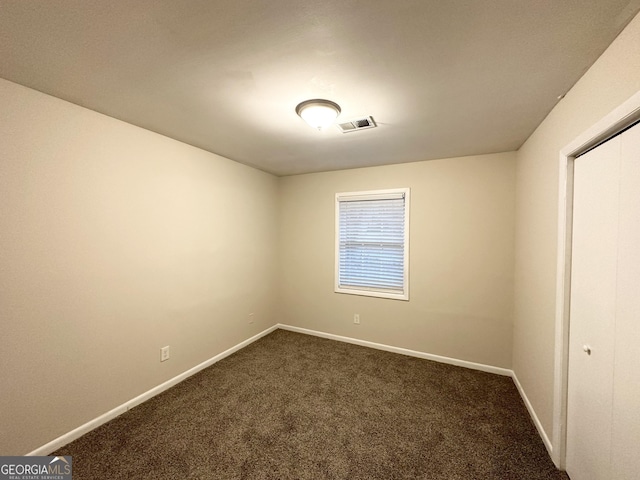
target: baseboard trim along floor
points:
(403, 351)
(532, 414)
(111, 414)
(437, 358)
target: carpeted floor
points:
(292, 406)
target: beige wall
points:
(611, 80)
(115, 241)
(461, 258)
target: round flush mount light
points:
(318, 113)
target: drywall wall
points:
(116, 241)
(609, 82)
(461, 258)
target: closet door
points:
(625, 445)
(603, 402)
(592, 314)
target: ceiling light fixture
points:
(318, 113)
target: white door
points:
(592, 315)
(625, 439)
(603, 402)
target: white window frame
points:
(381, 195)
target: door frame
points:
(620, 118)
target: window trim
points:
(363, 291)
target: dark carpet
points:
(293, 406)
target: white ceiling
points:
(441, 78)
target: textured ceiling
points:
(441, 78)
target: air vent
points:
(357, 124)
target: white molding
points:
(76, 433)
(437, 358)
(403, 351)
(618, 119)
(111, 414)
(533, 415)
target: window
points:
(372, 243)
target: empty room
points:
(320, 240)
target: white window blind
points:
(372, 243)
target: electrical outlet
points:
(356, 318)
(164, 353)
(251, 318)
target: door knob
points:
(586, 349)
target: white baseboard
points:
(437, 358)
(76, 433)
(403, 351)
(119, 410)
(534, 417)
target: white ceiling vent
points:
(357, 124)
